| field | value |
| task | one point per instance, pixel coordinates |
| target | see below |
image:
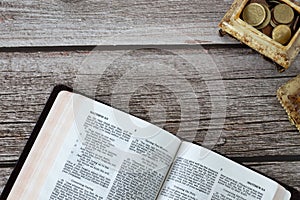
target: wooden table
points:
(44, 43)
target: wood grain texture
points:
(226, 101)
(4, 175)
(254, 125)
(85, 22)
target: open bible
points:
(83, 149)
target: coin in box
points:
(281, 17)
(271, 27)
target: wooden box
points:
(283, 55)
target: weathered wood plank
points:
(83, 22)
(12, 139)
(4, 175)
(255, 124)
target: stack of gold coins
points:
(274, 18)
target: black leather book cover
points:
(32, 139)
(37, 128)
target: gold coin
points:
(283, 14)
(267, 19)
(262, 2)
(268, 30)
(282, 34)
(254, 14)
(273, 23)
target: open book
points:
(87, 150)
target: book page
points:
(200, 174)
(87, 150)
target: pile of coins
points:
(275, 19)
